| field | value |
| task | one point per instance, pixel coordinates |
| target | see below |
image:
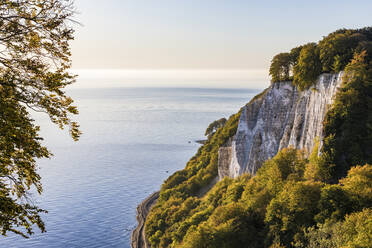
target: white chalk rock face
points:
(281, 117)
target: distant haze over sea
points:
(203, 78)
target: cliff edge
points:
(282, 116)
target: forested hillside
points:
(324, 200)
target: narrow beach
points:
(138, 239)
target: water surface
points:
(132, 137)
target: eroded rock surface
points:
(281, 117)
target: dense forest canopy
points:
(324, 200)
(305, 63)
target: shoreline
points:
(138, 238)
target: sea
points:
(133, 139)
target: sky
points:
(234, 36)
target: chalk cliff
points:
(280, 117)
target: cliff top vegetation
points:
(323, 200)
(303, 64)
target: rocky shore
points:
(138, 238)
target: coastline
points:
(138, 239)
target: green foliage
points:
(214, 126)
(230, 225)
(280, 67)
(288, 164)
(347, 125)
(34, 63)
(319, 167)
(305, 63)
(337, 49)
(279, 207)
(358, 184)
(292, 210)
(166, 222)
(312, 170)
(308, 67)
(292, 201)
(295, 54)
(354, 232)
(334, 204)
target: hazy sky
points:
(204, 34)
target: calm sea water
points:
(132, 137)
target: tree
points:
(230, 225)
(308, 67)
(336, 50)
(212, 128)
(292, 210)
(280, 67)
(358, 184)
(347, 130)
(334, 204)
(295, 53)
(354, 232)
(34, 59)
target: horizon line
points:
(231, 78)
